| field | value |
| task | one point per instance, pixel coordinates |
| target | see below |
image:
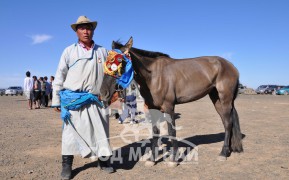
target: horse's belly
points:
(189, 94)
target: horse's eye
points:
(119, 59)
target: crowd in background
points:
(38, 91)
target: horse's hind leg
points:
(224, 107)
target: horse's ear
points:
(129, 43)
(112, 45)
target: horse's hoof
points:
(222, 158)
(149, 163)
(172, 164)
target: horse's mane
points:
(144, 53)
(150, 54)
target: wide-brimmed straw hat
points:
(83, 20)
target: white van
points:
(14, 90)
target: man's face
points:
(84, 33)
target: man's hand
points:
(57, 109)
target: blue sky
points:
(252, 34)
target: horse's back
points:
(209, 64)
(223, 75)
(193, 78)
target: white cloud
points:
(40, 38)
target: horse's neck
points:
(143, 72)
(141, 65)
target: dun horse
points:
(165, 82)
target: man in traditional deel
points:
(76, 90)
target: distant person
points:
(43, 91)
(36, 92)
(130, 104)
(51, 85)
(28, 89)
(47, 91)
(78, 80)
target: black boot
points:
(104, 164)
(66, 166)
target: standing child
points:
(130, 104)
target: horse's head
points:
(124, 48)
(115, 68)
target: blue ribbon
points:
(72, 100)
(125, 79)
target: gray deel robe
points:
(83, 70)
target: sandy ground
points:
(31, 143)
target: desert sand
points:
(31, 143)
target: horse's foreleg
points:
(154, 144)
(155, 147)
(172, 135)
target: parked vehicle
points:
(261, 89)
(270, 89)
(2, 92)
(276, 89)
(283, 91)
(266, 89)
(14, 90)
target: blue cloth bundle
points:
(73, 100)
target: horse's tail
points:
(236, 90)
(236, 135)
